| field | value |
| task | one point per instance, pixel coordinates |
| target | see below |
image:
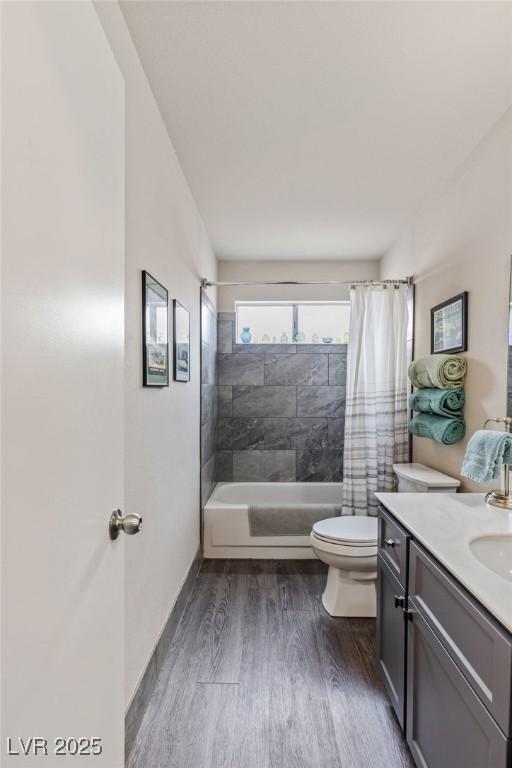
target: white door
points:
(62, 386)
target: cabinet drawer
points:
(447, 725)
(478, 646)
(391, 636)
(393, 545)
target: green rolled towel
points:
(438, 428)
(439, 371)
(443, 402)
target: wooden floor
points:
(259, 676)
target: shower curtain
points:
(376, 434)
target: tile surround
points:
(264, 401)
(240, 369)
(261, 349)
(263, 466)
(224, 466)
(294, 433)
(321, 401)
(296, 369)
(208, 403)
(224, 401)
(240, 434)
(337, 369)
(209, 398)
(280, 409)
(336, 432)
(324, 465)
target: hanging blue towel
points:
(485, 454)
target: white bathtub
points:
(226, 519)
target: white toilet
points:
(417, 478)
(348, 545)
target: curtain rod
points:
(211, 283)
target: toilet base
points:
(350, 597)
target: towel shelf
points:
(502, 498)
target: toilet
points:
(417, 478)
(348, 545)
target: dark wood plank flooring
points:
(260, 676)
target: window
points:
(305, 322)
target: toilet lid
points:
(352, 529)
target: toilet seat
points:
(349, 531)
(342, 548)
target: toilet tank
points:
(417, 478)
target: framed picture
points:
(449, 325)
(155, 332)
(181, 342)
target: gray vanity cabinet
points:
(450, 661)
(478, 645)
(391, 636)
(447, 725)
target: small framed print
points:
(181, 342)
(155, 332)
(449, 325)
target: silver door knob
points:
(129, 524)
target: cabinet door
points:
(391, 636)
(447, 725)
(480, 648)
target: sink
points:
(495, 552)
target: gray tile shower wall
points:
(280, 409)
(209, 396)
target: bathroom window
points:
(308, 322)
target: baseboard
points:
(258, 553)
(147, 683)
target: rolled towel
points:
(438, 428)
(443, 402)
(439, 371)
(485, 454)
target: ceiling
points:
(318, 129)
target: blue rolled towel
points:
(485, 454)
(443, 402)
(438, 428)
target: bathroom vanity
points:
(444, 626)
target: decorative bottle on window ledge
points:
(284, 338)
(246, 335)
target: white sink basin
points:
(495, 552)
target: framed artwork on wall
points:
(155, 332)
(181, 342)
(449, 325)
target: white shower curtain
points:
(376, 434)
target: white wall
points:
(462, 240)
(165, 235)
(290, 270)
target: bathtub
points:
(226, 519)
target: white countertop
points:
(445, 523)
